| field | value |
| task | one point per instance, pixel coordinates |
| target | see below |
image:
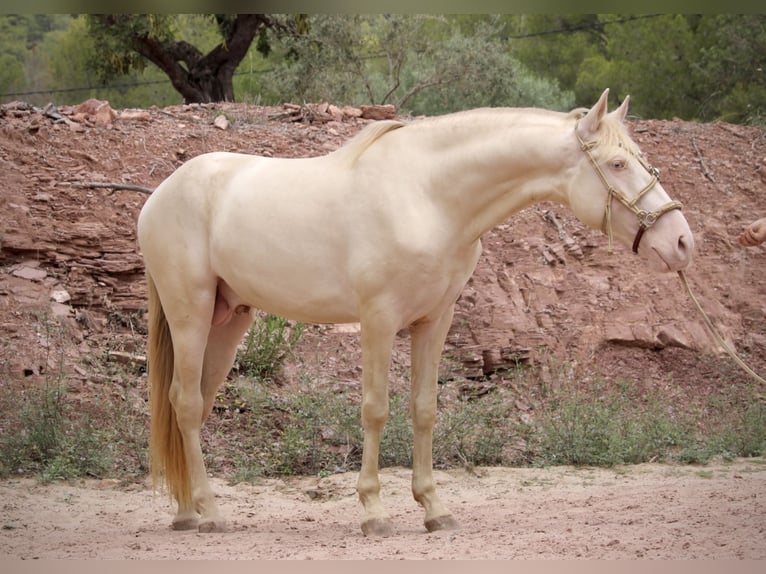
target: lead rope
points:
(715, 333)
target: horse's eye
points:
(618, 164)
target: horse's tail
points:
(167, 459)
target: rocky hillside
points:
(545, 292)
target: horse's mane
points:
(611, 132)
(356, 146)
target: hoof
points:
(186, 524)
(378, 527)
(213, 525)
(445, 522)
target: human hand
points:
(755, 234)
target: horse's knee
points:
(374, 415)
(423, 416)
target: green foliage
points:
(48, 433)
(604, 431)
(318, 431)
(473, 433)
(731, 69)
(650, 60)
(69, 55)
(114, 35)
(12, 49)
(557, 56)
(266, 345)
(702, 67)
(20, 38)
(314, 431)
(256, 430)
(422, 64)
(615, 424)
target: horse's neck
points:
(488, 165)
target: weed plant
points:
(258, 430)
(268, 341)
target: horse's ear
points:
(621, 112)
(589, 123)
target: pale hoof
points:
(213, 525)
(378, 527)
(445, 522)
(185, 524)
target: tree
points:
(20, 36)
(12, 48)
(731, 68)
(425, 64)
(651, 60)
(556, 44)
(128, 41)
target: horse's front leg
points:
(427, 345)
(377, 343)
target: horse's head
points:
(614, 189)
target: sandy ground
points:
(647, 511)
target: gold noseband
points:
(645, 218)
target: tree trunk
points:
(204, 78)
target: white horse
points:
(384, 231)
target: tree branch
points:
(234, 48)
(108, 185)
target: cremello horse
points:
(384, 231)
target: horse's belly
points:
(292, 287)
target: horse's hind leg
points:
(219, 357)
(427, 344)
(188, 403)
(189, 314)
(221, 351)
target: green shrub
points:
(59, 440)
(605, 428)
(268, 342)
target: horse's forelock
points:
(612, 133)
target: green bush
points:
(604, 431)
(268, 342)
(49, 435)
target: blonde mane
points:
(356, 146)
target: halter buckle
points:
(648, 218)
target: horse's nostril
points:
(683, 245)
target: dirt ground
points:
(545, 291)
(646, 511)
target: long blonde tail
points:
(167, 459)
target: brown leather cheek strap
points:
(638, 237)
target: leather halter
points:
(645, 218)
